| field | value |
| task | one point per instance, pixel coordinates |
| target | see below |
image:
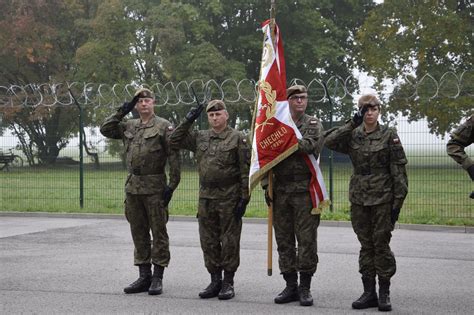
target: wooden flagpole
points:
(270, 173)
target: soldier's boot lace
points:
(369, 297)
(227, 290)
(213, 289)
(143, 282)
(384, 295)
(156, 286)
(290, 292)
(304, 291)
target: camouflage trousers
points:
(219, 233)
(373, 227)
(145, 213)
(293, 222)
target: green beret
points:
(145, 93)
(295, 89)
(215, 105)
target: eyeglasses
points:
(297, 97)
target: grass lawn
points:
(437, 195)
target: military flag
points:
(275, 135)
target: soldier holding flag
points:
(285, 148)
(293, 219)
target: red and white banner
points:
(275, 134)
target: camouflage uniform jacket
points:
(293, 174)
(223, 160)
(379, 163)
(462, 137)
(147, 152)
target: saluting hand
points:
(359, 116)
(194, 113)
(127, 107)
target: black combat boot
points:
(143, 282)
(369, 297)
(384, 295)
(304, 289)
(290, 292)
(214, 287)
(227, 290)
(156, 286)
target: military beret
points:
(145, 93)
(295, 89)
(215, 105)
(368, 100)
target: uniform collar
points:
(150, 122)
(222, 134)
(376, 134)
(301, 120)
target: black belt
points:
(371, 171)
(223, 182)
(293, 177)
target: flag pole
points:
(270, 173)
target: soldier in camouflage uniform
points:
(292, 205)
(146, 188)
(377, 189)
(461, 138)
(223, 159)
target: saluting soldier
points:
(461, 138)
(377, 190)
(293, 221)
(147, 190)
(223, 161)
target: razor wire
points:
(450, 85)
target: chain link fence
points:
(438, 188)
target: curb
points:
(346, 224)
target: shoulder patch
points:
(396, 140)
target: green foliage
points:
(437, 195)
(409, 39)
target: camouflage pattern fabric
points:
(378, 185)
(147, 152)
(461, 138)
(292, 218)
(223, 161)
(220, 156)
(294, 165)
(373, 228)
(219, 233)
(293, 222)
(379, 164)
(145, 212)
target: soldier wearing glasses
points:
(377, 189)
(295, 227)
(147, 190)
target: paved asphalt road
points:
(79, 265)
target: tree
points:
(38, 43)
(414, 39)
